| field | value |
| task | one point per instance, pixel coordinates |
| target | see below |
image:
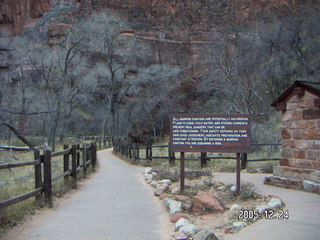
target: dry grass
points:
(18, 181)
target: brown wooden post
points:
(203, 159)
(238, 173)
(84, 158)
(182, 175)
(38, 176)
(147, 150)
(66, 161)
(244, 160)
(78, 155)
(74, 164)
(93, 155)
(150, 152)
(47, 177)
(138, 152)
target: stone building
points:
(300, 157)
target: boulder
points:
(148, 177)
(179, 236)
(189, 229)
(173, 206)
(148, 170)
(165, 181)
(164, 196)
(208, 180)
(233, 189)
(180, 223)
(182, 197)
(205, 235)
(154, 184)
(206, 202)
(177, 216)
(235, 207)
(262, 208)
(239, 224)
(275, 203)
(160, 190)
(221, 188)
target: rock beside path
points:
(175, 217)
(206, 202)
(205, 235)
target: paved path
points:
(304, 210)
(114, 204)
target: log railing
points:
(75, 159)
(133, 151)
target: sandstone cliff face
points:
(16, 14)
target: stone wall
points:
(301, 133)
(300, 158)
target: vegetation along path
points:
(114, 204)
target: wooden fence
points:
(101, 143)
(133, 151)
(75, 159)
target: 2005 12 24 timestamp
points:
(250, 214)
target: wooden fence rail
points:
(43, 170)
(131, 150)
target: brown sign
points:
(210, 133)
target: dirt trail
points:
(114, 204)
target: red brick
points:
(297, 134)
(288, 143)
(301, 163)
(312, 134)
(292, 106)
(311, 155)
(294, 124)
(311, 114)
(287, 153)
(314, 144)
(302, 124)
(300, 154)
(297, 115)
(288, 115)
(284, 162)
(302, 144)
(302, 104)
(316, 165)
(318, 124)
(285, 134)
(311, 124)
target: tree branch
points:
(19, 135)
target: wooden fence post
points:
(38, 176)
(78, 155)
(66, 161)
(150, 152)
(171, 155)
(203, 159)
(138, 151)
(93, 155)
(84, 158)
(47, 177)
(147, 151)
(74, 164)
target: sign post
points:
(229, 133)
(182, 172)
